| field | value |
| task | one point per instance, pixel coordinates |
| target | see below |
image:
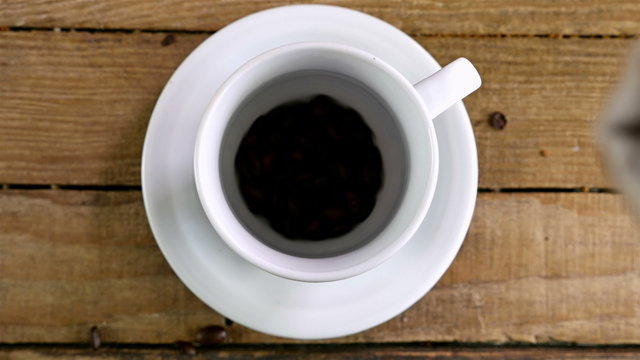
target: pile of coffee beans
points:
(310, 168)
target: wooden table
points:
(552, 259)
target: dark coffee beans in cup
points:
(310, 168)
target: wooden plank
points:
(76, 105)
(535, 268)
(417, 17)
(70, 260)
(326, 353)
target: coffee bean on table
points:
(497, 120)
(168, 40)
(312, 169)
(211, 335)
(187, 347)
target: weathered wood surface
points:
(535, 268)
(75, 106)
(543, 268)
(339, 353)
(615, 17)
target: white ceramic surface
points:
(360, 81)
(241, 291)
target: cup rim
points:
(230, 229)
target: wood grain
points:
(552, 92)
(76, 105)
(73, 259)
(340, 353)
(614, 17)
(535, 268)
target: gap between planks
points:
(325, 351)
(582, 189)
(427, 35)
(314, 345)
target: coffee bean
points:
(321, 105)
(313, 226)
(333, 214)
(372, 176)
(296, 155)
(338, 230)
(296, 162)
(255, 165)
(96, 337)
(497, 120)
(211, 335)
(333, 133)
(168, 40)
(254, 193)
(303, 177)
(342, 171)
(287, 229)
(353, 202)
(292, 208)
(267, 160)
(322, 182)
(187, 347)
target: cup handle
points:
(448, 86)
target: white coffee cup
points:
(400, 115)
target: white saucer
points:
(245, 293)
